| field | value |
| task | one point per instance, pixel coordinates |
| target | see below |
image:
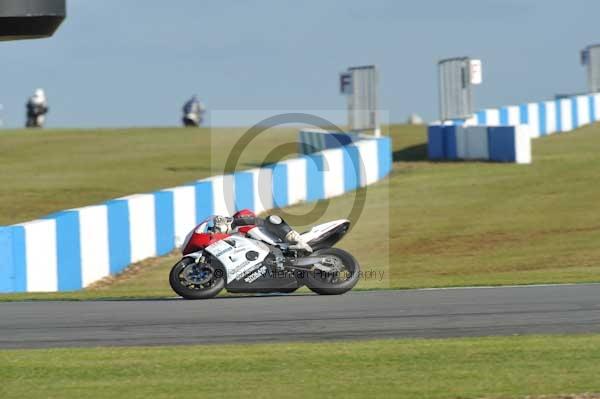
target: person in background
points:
(37, 108)
(193, 112)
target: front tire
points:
(339, 282)
(196, 281)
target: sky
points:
(120, 63)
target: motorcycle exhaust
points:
(307, 261)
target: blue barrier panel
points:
(315, 190)
(164, 217)
(304, 148)
(7, 274)
(204, 200)
(335, 140)
(501, 143)
(13, 271)
(244, 190)
(558, 116)
(504, 116)
(524, 114)
(351, 158)
(574, 113)
(481, 118)
(542, 119)
(435, 142)
(280, 185)
(592, 105)
(384, 156)
(450, 148)
(119, 242)
(68, 250)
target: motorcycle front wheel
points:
(193, 280)
(345, 274)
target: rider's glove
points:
(222, 224)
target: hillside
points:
(457, 224)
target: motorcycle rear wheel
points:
(332, 283)
(196, 281)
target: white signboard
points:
(360, 84)
(476, 72)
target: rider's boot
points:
(297, 241)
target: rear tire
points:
(330, 283)
(178, 279)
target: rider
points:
(193, 111)
(37, 108)
(274, 224)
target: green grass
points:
(51, 170)
(445, 224)
(457, 368)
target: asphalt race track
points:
(359, 315)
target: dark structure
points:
(30, 19)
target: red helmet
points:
(244, 214)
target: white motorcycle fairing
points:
(323, 230)
(240, 256)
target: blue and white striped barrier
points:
(545, 117)
(315, 140)
(72, 249)
(529, 120)
(498, 144)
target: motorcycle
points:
(254, 260)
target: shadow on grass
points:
(414, 153)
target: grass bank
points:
(438, 224)
(457, 368)
(44, 171)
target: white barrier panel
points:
(369, 169)
(550, 117)
(93, 232)
(533, 113)
(184, 211)
(514, 115)
(523, 144)
(597, 107)
(492, 117)
(297, 182)
(223, 194)
(566, 115)
(263, 189)
(333, 174)
(41, 255)
(583, 110)
(142, 226)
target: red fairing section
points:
(200, 241)
(245, 229)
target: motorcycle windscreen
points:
(30, 19)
